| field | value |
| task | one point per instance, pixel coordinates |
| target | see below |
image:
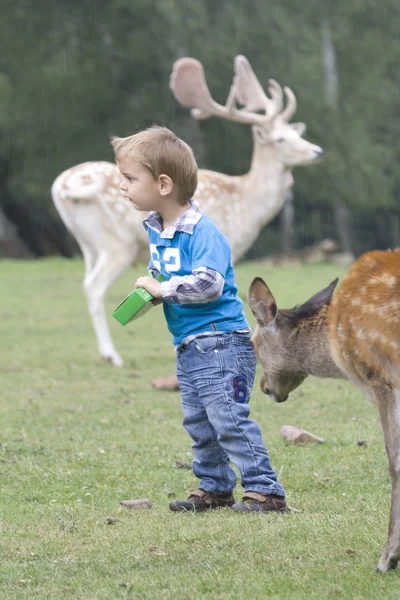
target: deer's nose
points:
(318, 151)
(279, 399)
(264, 387)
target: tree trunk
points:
(394, 225)
(286, 226)
(11, 245)
(316, 225)
(344, 229)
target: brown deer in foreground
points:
(355, 336)
(109, 230)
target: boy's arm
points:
(150, 283)
(154, 273)
(202, 286)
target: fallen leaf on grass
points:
(134, 374)
(111, 520)
(294, 510)
(157, 551)
(183, 465)
(143, 503)
(297, 435)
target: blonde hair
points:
(160, 151)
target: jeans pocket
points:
(246, 364)
(246, 360)
(206, 345)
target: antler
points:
(291, 105)
(189, 87)
(252, 96)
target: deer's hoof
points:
(387, 564)
(114, 360)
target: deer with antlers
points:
(355, 336)
(109, 230)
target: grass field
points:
(78, 436)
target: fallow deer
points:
(354, 336)
(109, 230)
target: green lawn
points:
(78, 436)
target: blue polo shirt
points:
(203, 246)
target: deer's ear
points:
(262, 302)
(262, 134)
(317, 301)
(300, 128)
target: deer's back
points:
(364, 319)
(229, 203)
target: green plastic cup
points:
(137, 304)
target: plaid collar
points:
(185, 223)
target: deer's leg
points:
(107, 269)
(389, 408)
(90, 256)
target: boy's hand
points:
(151, 285)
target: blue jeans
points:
(216, 376)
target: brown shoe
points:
(255, 502)
(200, 500)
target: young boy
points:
(215, 360)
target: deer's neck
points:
(244, 204)
(263, 192)
(313, 350)
(268, 182)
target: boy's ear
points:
(166, 184)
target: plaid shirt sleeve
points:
(203, 285)
(154, 272)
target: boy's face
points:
(138, 185)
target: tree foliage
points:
(74, 72)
